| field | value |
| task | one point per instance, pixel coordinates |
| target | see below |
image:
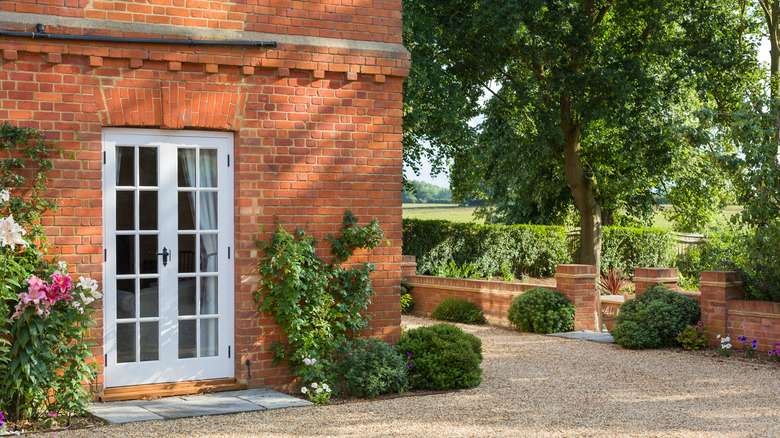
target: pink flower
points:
(60, 287)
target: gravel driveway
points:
(533, 386)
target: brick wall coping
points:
(749, 313)
(656, 279)
(499, 287)
(196, 32)
(720, 283)
(581, 275)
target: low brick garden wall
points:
(724, 309)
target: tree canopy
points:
(591, 104)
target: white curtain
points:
(208, 242)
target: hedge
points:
(492, 249)
(533, 250)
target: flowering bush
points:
(725, 346)
(319, 394)
(775, 352)
(44, 314)
(693, 337)
(748, 347)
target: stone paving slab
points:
(587, 335)
(230, 402)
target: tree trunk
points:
(582, 189)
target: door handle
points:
(164, 254)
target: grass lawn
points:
(456, 213)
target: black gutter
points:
(186, 41)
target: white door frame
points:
(168, 367)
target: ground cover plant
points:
(458, 310)
(319, 305)
(655, 318)
(441, 357)
(45, 315)
(541, 310)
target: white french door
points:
(168, 235)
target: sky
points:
(442, 179)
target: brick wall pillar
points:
(717, 288)
(578, 284)
(646, 277)
(408, 265)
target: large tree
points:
(589, 101)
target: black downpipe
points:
(186, 41)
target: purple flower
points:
(742, 338)
(2, 423)
(408, 354)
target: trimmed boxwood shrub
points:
(541, 310)
(458, 310)
(441, 357)
(654, 318)
(367, 368)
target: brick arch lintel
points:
(172, 105)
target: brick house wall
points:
(316, 123)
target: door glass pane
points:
(208, 167)
(149, 298)
(147, 210)
(125, 166)
(125, 342)
(208, 210)
(186, 168)
(208, 337)
(187, 296)
(187, 338)
(208, 253)
(125, 255)
(186, 253)
(150, 341)
(125, 210)
(147, 166)
(125, 299)
(186, 210)
(149, 257)
(208, 296)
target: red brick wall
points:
(493, 297)
(317, 131)
(756, 320)
(363, 20)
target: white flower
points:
(325, 386)
(327, 390)
(5, 195)
(11, 233)
(91, 285)
(319, 390)
(304, 390)
(63, 265)
(727, 339)
(717, 337)
(314, 385)
(727, 346)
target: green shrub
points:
(367, 368)
(442, 357)
(654, 318)
(760, 271)
(407, 301)
(541, 310)
(458, 310)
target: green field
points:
(456, 213)
(450, 212)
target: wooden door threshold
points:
(156, 390)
